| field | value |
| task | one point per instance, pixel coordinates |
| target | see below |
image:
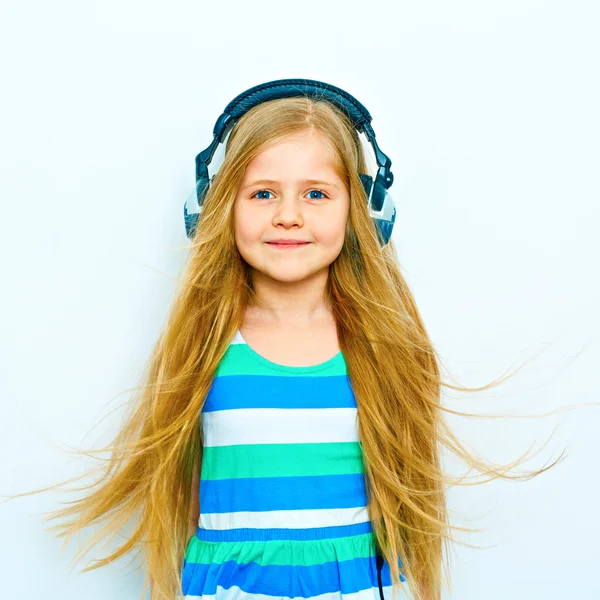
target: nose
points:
(288, 209)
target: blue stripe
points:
(244, 534)
(266, 391)
(282, 493)
(348, 576)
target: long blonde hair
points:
(392, 365)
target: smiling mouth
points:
(285, 246)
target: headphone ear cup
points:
(191, 222)
(382, 202)
(191, 219)
(367, 182)
(385, 227)
(379, 195)
(378, 199)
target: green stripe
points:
(281, 460)
(239, 360)
(281, 552)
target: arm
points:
(195, 503)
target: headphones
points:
(380, 203)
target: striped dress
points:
(283, 505)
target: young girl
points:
(287, 442)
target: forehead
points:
(299, 156)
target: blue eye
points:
(268, 192)
(260, 192)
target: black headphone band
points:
(285, 88)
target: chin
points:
(287, 277)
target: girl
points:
(286, 444)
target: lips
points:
(288, 242)
(287, 245)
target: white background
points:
(489, 112)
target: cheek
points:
(330, 232)
(247, 231)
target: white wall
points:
(489, 111)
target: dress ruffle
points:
(332, 563)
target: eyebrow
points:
(308, 181)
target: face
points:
(290, 206)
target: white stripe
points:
(238, 339)
(235, 593)
(279, 426)
(291, 519)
